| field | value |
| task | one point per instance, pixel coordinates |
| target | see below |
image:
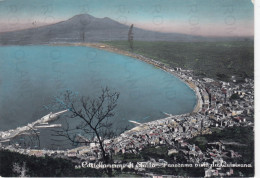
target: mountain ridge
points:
(87, 28)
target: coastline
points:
(112, 49)
(157, 64)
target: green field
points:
(218, 60)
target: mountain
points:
(86, 28)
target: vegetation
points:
(218, 60)
(161, 152)
(242, 135)
(51, 167)
(41, 167)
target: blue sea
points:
(30, 76)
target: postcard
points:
(140, 88)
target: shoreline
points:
(112, 49)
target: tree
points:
(84, 20)
(95, 115)
(131, 37)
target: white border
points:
(257, 86)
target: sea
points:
(32, 76)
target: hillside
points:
(219, 60)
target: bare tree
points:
(131, 37)
(95, 115)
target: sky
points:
(197, 17)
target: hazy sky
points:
(200, 17)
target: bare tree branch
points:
(95, 115)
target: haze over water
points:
(31, 75)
